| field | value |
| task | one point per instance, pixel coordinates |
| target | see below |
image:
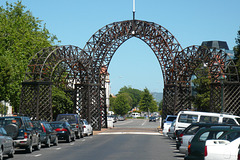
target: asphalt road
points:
(128, 140)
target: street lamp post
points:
(221, 79)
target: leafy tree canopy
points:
(237, 51)
(201, 100)
(135, 94)
(147, 102)
(21, 36)
(121, 104)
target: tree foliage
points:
(21, 36)
(201, 100)
(147, 102)
(121, 104)
(135, 94)
(237, 52)
(61, 102)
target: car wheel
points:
(55, 143)
(81, 134)
(68, 139)
(78, 135)
(39, 145)
(11, 154)
(48, 143)
(29, 149)
(74, 137)
(1, 154)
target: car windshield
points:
(57, 125)
(70, 118)
(10, 120)
(171, 119)
(238, 120)
(37, 125)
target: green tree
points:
(135, 94)
(121, 104)
(147, 102)
(201, 100)
(236, 50)
(21, 36)
(61, 102)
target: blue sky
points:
(134, 64)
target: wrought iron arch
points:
(65, 65)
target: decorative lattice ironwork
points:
(79, 70)
(36, 100)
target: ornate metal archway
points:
(85, 77)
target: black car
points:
(47, 134)
(64, 130)
(21, 129)
(75, 121)
(152, 119)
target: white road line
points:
(144, 122)
(37, 155)
(58, 148)
(84, 140)
(72, 143)
(141, 133)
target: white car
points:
(87, 128)
(221, 149)
(167, 123)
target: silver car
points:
(7, 143)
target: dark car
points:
(152, 119)
(75, 121)
(6, 143)
(47, 134)
(64, 130)
(21, 129)
(196, 147)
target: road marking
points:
(140, 133)
(58, 148)
(37, 155)
(144, 122)
(72, 143)
(84, 140)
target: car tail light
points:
(44, 129)
(205, 151)
(76, 125)
(60, 129)
(238, 156)
(84, 126)
(169, 130)
(189, 148)
(181, 135)
(25, 135)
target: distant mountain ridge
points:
(157, 96)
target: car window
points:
(192, 130)
(70, 118)
(229, 121)
(209, 119)
(210, 135)
(57, 125)
(3, 132)
(231, 136)
(37, 125)
(11, 120)
(187, 118)
(171, 119)
(204, 136)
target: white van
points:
(135, 115)
(185, 118)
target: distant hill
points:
(157, 96)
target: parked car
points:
(6, 143)
(121, 118)
(196, 145)
(167, 123)
(64, 130)
(21, 129)
(185, 118)
(171, 134)
(88, 130)
(47, 134)
(75, 121)
(190, 131)
(222, 149)
(152, 119)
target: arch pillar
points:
(36, 100)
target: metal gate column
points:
(36, 100)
